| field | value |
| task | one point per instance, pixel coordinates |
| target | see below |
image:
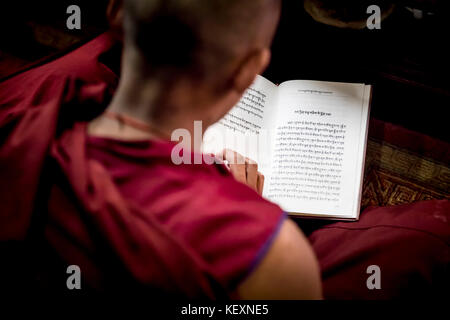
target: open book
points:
(309, 140)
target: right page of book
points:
(319, 138)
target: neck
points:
(162, 110)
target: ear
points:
(254, 64)
(114, 13)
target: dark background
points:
(406, 61)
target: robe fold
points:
(193, 235)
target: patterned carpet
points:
(404, 167)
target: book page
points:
(318, 152)
(245, 128)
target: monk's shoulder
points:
(227, 224)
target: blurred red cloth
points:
(188, 230)
(30, 105)
(410, 244)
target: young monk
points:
(112, 201)
(86, 203)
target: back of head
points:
(194, 37)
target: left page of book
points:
(245, 129)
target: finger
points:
(220, 156)
(252, 173)
(220, 159)
(260, 185)
(249, 161)
(237, 165)
(233, 157)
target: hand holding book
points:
(309, 140)
(244, 170)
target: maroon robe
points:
(77, 195)
(194, 231)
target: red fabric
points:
(223, 222)
(29, 110)
(410, 244)
(121, 211)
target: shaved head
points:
(190, 60)
(199, 38)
